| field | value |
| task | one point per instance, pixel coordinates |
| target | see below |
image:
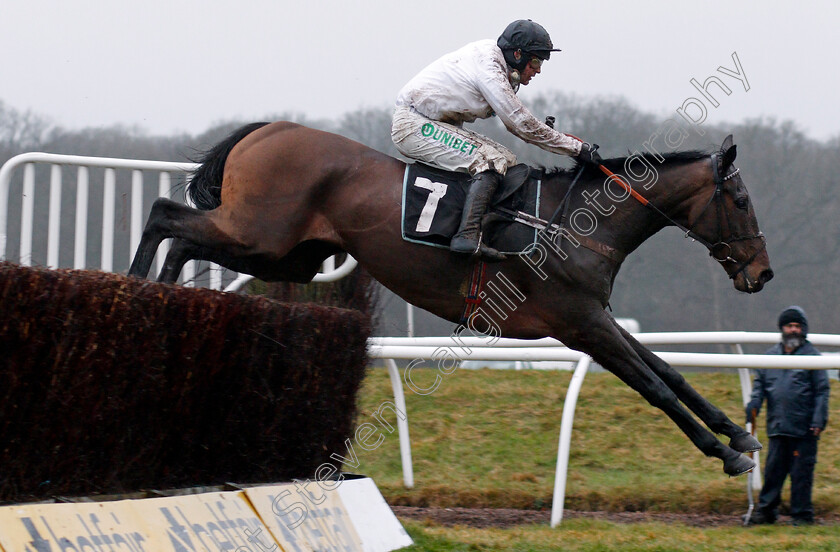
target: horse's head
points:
(727, 225)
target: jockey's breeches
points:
(447, 146)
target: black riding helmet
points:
(529, 37)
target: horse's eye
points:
(742, 203)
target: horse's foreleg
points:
(711, 415)
(600, 338)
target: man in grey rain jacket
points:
(797, 411)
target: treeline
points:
(669, 284)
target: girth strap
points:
(472, 295)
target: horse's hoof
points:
(745, 443)
(737, 465)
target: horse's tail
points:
(205, 188)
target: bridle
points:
(720, 250)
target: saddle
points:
(433, 201)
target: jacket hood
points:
(794, 313)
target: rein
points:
(564, 204)
(720, 250)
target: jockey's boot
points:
(468, 238)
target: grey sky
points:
(176, 65)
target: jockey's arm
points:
(520, 121)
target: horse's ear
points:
(729, 150)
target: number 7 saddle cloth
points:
(433, 200)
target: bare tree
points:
(21, 130)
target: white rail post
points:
(82, 192)
(108, 198)
(54, 222)
(402, 423)
(746, 393)
(215, 276)
(188, 274)
(136, 222)
(566, 439)
(409, 318)
(5, 183)
(27, 214)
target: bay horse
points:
(275, 200)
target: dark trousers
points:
(797, 457)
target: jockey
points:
(476, 82)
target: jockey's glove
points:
(589, 154)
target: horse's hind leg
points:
(197, 236)
(160, 225)
(180, 251)
(596, 334)
(712, 416)
(195, 229)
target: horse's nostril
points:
(765, 276)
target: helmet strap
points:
(515, 58)
(520, 58)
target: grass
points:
(599, 536)
(488, 438)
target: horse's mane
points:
(616, 164)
